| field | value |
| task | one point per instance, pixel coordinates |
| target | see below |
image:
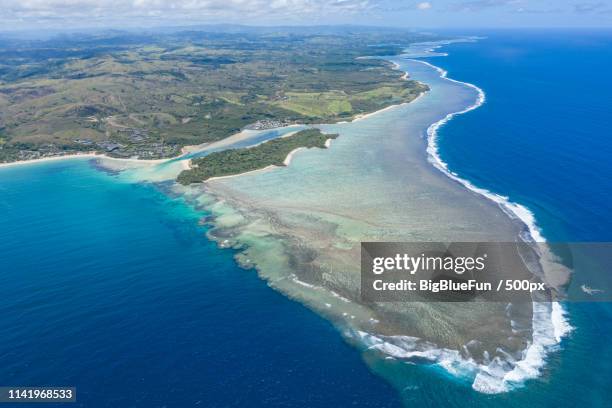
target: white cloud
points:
(178, 5)
(589, 7)
(479, 5)
(176, 11)
(40, 14)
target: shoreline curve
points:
(535, 354)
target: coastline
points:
(405, 77)
(486, 379)
(50, 159)
(289, 157)
(535, 354)
(72, 156)
(190, 149)
(362, 116)
(286, 162)
(244, 134)
(536, 350)
(263, 169)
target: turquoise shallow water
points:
(112, 287)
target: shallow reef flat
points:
(301, 226)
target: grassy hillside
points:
(149, 95)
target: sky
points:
(74, 14)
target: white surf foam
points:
(495, 375)
(549, 323)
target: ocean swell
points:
(549, 324)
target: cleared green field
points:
(324, 104)
(337, 104)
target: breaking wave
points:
(549, 322)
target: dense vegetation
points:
(236, 161)
(147, 95)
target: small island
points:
(236, 161)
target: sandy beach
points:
(267, 168)
(367, 115)
(90, 155)
(50, 159)
(287, 160)
(234, 139)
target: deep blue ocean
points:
(113, 287)
(544, 139)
